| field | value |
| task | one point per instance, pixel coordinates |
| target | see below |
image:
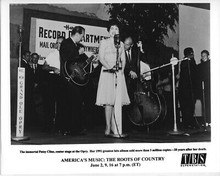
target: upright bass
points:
(148, 106)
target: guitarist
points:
(71, 96)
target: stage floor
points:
(96, 136)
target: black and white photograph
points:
(110, 87)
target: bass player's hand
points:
(132, 74)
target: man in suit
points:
(203, 76)
(71, 96)
(131, 66)
(131, 74)
(131, 55)
(187, 89)
(40, 83)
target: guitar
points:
(77, 71)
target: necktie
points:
(34, 67)
(129, 57)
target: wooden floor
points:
(96, 136)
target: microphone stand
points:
(20, 96)
(117, 67)
(117, 57)
(117, 62)
(20, 45)
(172, 63)
(115, 70)
(175, 129)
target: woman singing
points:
(112, 91)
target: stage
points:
(96, 136)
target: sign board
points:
(47, 31)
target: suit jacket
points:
(68, 52)
(41, 76)
(188, 83)
(203, 75)
(132, 66)
(188, 80)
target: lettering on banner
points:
(20, 102)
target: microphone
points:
(20, 30)
(117, 40)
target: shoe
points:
(107, 133)
(119, 135)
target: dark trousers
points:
(187, 106)
(71, 102)
(52, 93)
(89, 109)
(207, 106)
(169, 118)
(206, 101)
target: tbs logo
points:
(193, 159)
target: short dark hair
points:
(128, 36)
(187, 51)
(77, 29)
(205, 51)
(113, 23)
(34, 54)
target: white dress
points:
(112, 88)
(106, 93)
